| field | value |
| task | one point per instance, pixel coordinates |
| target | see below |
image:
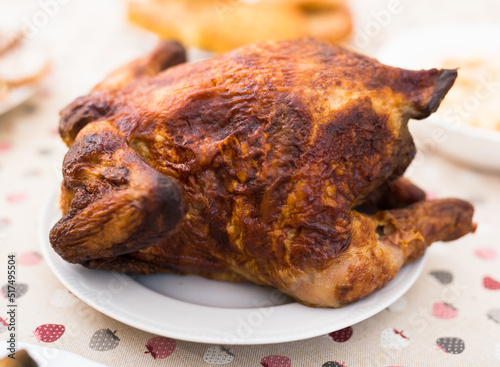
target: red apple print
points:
(276, 361)
(49, 333)
(342, 335)
(443, 311)
(29, 258)
(160, 347)
(490, 283)
(486, 253)
(4, 146)
(16, 197)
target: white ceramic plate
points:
(426, 48)
(200, 310)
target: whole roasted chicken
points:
(278, 163)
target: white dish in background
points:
(15, 97)
(427, 48)
(23, 65)
(200, 310)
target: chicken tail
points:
(443, 84)
(424, 89)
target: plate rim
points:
(411, 271)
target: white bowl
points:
(426, 48)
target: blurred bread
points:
(22, 64)
(8, 40)
(22, 359)
(222, 25)
(4, 90)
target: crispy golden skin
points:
(222, 25)
(277, 163)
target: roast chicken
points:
(279, 163)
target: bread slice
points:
(22, 64)
(222, 25)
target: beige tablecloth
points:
(450, 317)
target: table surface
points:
(86, 40)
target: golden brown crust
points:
(114, 203)
(22, 359)
(379, 246)
(90, 108)
(271, 146)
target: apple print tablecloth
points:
(450, 317)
